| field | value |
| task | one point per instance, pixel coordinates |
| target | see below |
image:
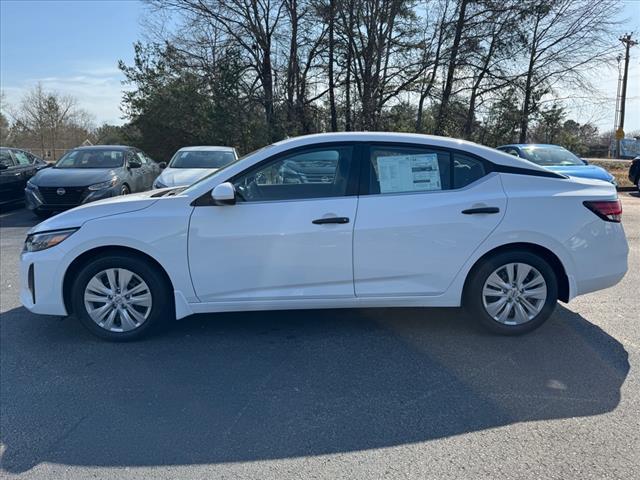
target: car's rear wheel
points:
(512, 292)
(120, 297)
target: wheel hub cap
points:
(117, 300)
(514, 293)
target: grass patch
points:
(619, 169)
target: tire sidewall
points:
(474, 300)
(160, 294)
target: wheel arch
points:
(82, 259)
(543, 252)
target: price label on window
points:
(409, 173)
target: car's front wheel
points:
(120, 297)
(512, 292)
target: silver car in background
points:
(190, 164)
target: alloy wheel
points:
(514, 293)
(118, 300)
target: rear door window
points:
(5, 158)
(400, 169)
(21, 157)
(466, 170)
(408, 169)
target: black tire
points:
(473, 297)
(161, 293)
(125, 190)
(41, 214)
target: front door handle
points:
(471, 211)
(322, 221)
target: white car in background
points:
(402, 220)
(190, 164)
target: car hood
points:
(583, 171)
(178, 177)
(76, 217)
(72, 177)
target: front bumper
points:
(41, 279)
(36, 201)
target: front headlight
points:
(159, 184)
(31, 185)
(41, 241)
(103, 185)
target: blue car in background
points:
(558, 159)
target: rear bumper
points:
(600, 257)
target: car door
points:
(153, 170)
(9, 177)
(146, 170)
(24, 166)
(135, 176)
(420, 218)
(285, 238)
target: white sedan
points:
(190, 164)
(334, 221)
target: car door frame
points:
(135, 176)
(364, 191)
(365, 162)
(353, 184)
(146, 169)
(25, 170)
(351, 191)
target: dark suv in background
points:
(16, 168)
(86, 174)
(634, 172)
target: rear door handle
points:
(322, 221)
(471, 211)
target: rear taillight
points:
(610, 211)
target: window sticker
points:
(409, 173)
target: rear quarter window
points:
(466, 170)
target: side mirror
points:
(584, 161)
(134, 164)
(162, 165)
(3, 166)
(224, 194)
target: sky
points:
(73, 47)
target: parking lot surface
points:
(377, 393)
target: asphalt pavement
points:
(331, 394)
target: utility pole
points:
(628, 43)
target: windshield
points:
(202, 159)
(550, 156)
(91, 158)
(195, 185)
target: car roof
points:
(103, 147)
(207, 148)
(522, 145)
(491, 154)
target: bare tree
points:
(49, 117)
(564, 38)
